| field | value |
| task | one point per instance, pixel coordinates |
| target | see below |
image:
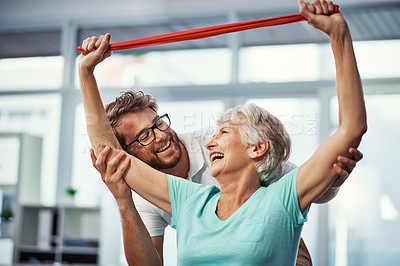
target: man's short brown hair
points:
(128, 102)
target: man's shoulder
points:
(289, 166)
(155, 219)
(145, 207)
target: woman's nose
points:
(211, 143)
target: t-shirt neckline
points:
(236, 213)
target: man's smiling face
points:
(163, 153)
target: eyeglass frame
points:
(154, 126)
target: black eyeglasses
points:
(147, 136)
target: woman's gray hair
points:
(255, 125)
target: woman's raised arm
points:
(317, 174)
(140, 177)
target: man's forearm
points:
(139, 249)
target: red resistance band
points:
(206, 32)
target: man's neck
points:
(183, 166)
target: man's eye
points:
(144, 135)
(159, 122)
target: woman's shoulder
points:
(286, 183)
(183, 184)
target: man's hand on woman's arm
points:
(344, 166)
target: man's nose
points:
(159, 135)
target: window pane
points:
(280, 63)
(38, 116)
(189, 116)
(85, 177)
(184, 67)
(365, 216)
(32, 73)
(378, 59)
(375, 59)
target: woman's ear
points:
(258, 150)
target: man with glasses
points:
(146, 135)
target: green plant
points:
(71, 191)
(7, 213)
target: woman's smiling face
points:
(228, 154)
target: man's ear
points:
(258, 150)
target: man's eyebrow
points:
(144, 129)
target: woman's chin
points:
(214, 172)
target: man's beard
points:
(160, 164)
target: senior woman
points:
(248, 221)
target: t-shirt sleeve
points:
(286, 190)
(179, 191)
(155, 219)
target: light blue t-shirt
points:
(265, 230)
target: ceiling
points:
(28, 29)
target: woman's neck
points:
(235, 192)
